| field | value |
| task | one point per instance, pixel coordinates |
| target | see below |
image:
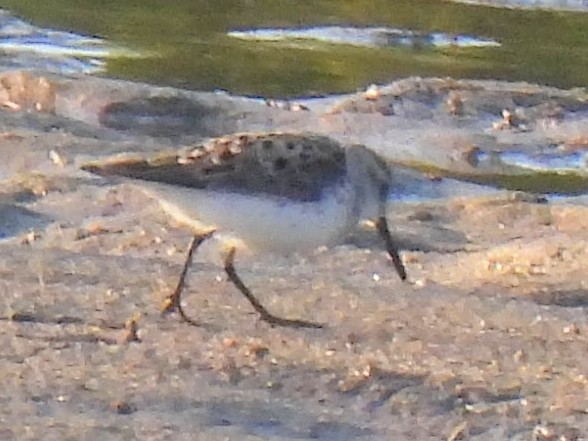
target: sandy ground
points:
(487, 341)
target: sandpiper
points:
(278, 192)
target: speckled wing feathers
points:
(296, 166)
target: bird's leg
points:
(263, 313)
(172, 302)
(384, 233)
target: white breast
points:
(262, 222)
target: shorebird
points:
(277, 192)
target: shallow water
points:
(187, 43)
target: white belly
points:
(263, 223)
